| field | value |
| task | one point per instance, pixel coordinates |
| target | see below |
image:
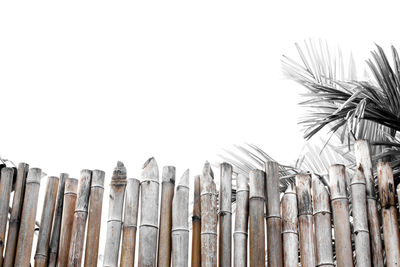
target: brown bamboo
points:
(340, 208)
(55, 233)
(94, 220)
(42, 247)
(196, 224)
(274, 220)
(322, 223)
(363, 157)
(80, 216)
(67, 220)
(360, 219)
(209, 218)
(389, 214)
(148, 230)
(241, 222)
(115, 209)
(180, 225)
(167, 193)
(225, 216)
(15, 216)
(290, 241)
(304, 204)
(256, 218)
(27, 226)
(130, 223)
(6, 181)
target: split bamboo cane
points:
(6, 181)
(307, 238)
(274, 220)
(15, 216)
(209, 218)
(363, 157)
(167, 193)
(42, 247)
(241, 222)
(130, 223)
(360, 219)
(80, 217)
(115, 209)
(180, 224)
(67, 220)
(256, 218)
(196, 224)
(94, 221)
(148, 230)
(225, 216)
(389, 214)
(340, 207)
(27, 226)
(290, 234)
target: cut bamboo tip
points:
(98, 178)
(207, 170)
(34, 175)
(337, 177)
(168, 175)
(242, 183)
(358, 177)
(256, 184)
(184, 181)
(303, 190)
(386, 186)
(320, 194)
(119, 173)
(150, 170)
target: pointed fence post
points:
(225, 215)
(290, 234)
(389, 214)
(6, 181)
(180, 224)
(341, 216)
(196, 224)
(149, 190)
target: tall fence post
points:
(225, 216)
(290, 234)
(6, 181)
(196, 224)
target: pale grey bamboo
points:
(6, 181)
(225, 215)
(290, 236)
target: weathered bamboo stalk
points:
(80, 216)
(27, 226)
(130, 223)
(6, 181)
(389, 214)
(256, 218)
(363, 157)
(148, 230)
(180, 224)
(322, 223)
(241, 222)
(94, 221)
(55, 233)
(115, 209)
(307, 238)
(225, 216)
(15, 216)
(360, 219)
(42, 247)
(196, 224)
(340, 207)
(274, 220)
(209, 218)
(290, 234)
(67, 220)
(167, 194)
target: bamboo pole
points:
(55, 234)
(130, 223)
(389, 214)
(274, 220)
(148, 230)
(27, 226)
(209, 218)
(80, 217)
(180, 224)
(42, 247)
(360, 219)
(241, 222)
(290, 234)
(363, 157)
(225, 215)
(322, 223)
(307, 238)
(167, 193)
(6, 181)
(15, 216)
(115, 209)
(196, 224)
(256, 218)
(340, 208)
(67, 220)
(94, 221)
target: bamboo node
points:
(224, 212)
(257, 197)
(361, 230)
(290, 232)
(182, 186)
(69, 193)
(322, 211)
(150, 180)
(339, 198)
(39, 255)
(273, 216)
(209, 233)
(114, 220)
(240, 232)
(148, 224)
(97, 186)
(358, 182)
(130, 226)
(196, 218)
(242, 190)
(81, 210)
(325, 263)
(180, 229)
